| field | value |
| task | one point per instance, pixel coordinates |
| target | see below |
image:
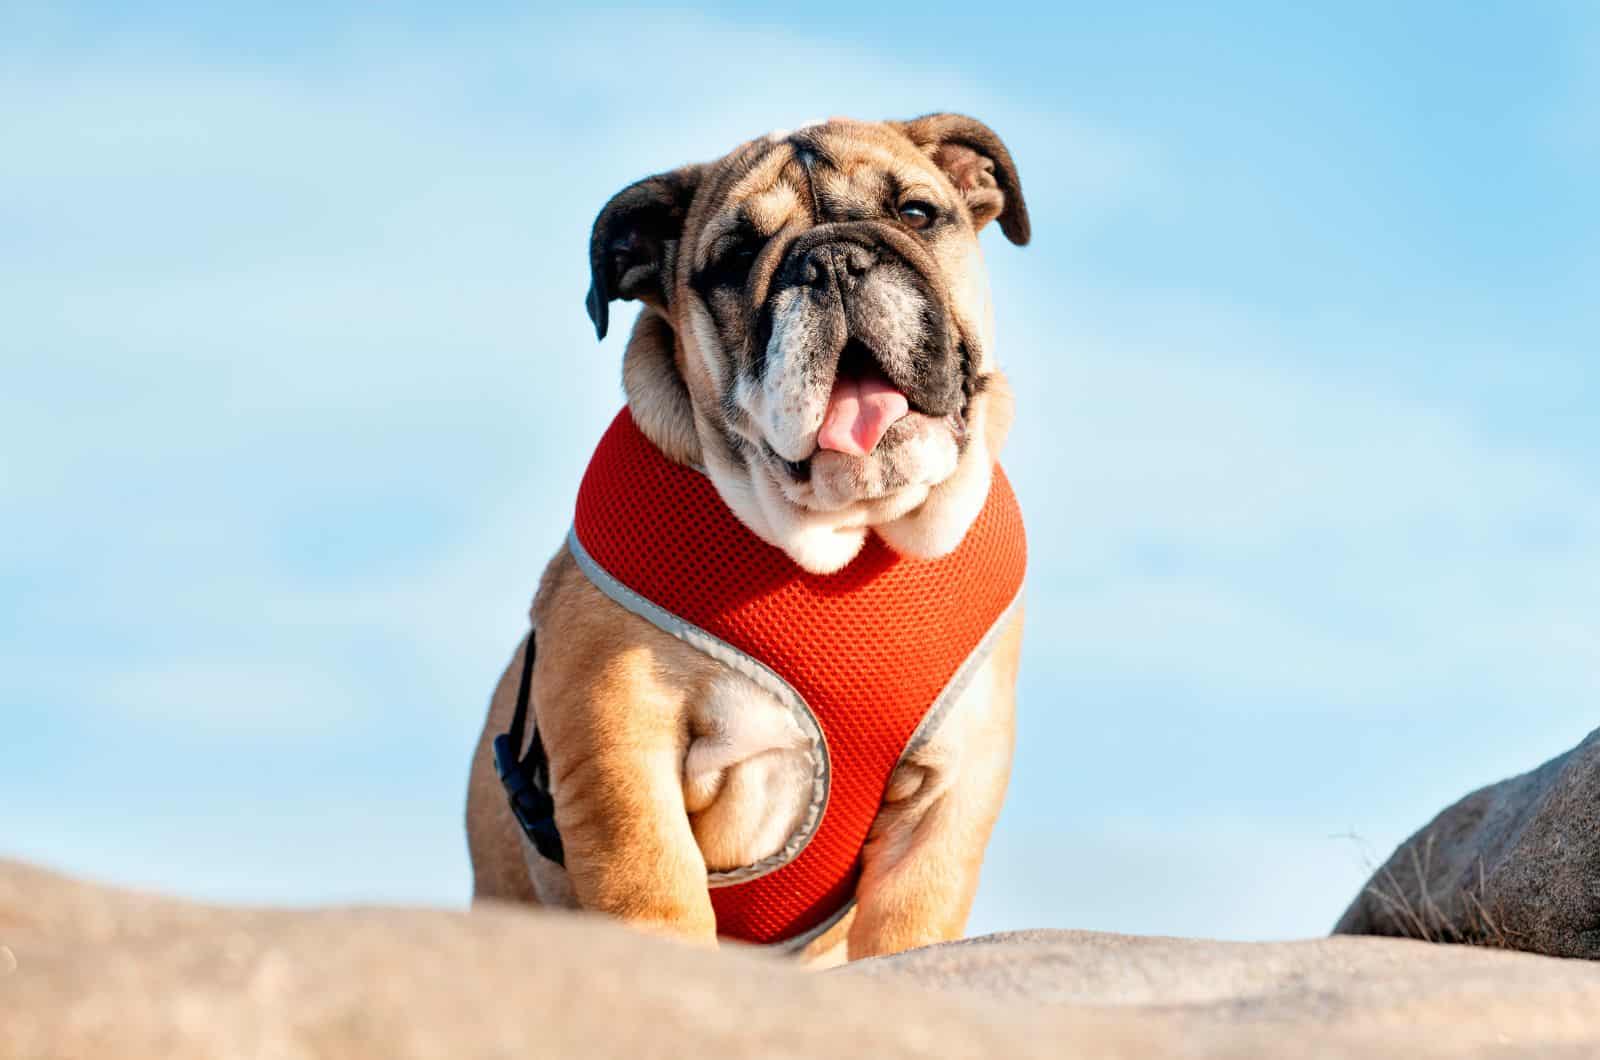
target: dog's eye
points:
(917, 215)
(732, 268)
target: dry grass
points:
(1416, 912)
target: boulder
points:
(1515, 865)
(87, 971)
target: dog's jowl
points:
(769, 690)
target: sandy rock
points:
(1515, 865)
(1342, 996)
(87, 971)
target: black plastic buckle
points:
(532, 806)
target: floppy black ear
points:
(978, 164)
(635, 240)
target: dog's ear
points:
(635, 240)
(978, 164)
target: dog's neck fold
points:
(655, 390)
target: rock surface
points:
(1515, 865)
(94, 972)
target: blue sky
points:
(299, 385)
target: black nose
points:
(835, 265)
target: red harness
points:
(873, 653)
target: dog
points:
(813, 404)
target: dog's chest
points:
(749, 773)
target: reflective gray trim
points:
(763, 676)
(806, 938)
(960, 680)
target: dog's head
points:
(818, 330)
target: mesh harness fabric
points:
(868, 658)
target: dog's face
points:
(818, 331)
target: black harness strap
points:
(527, 780)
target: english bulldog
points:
(814, 364)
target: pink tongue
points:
(860, 412)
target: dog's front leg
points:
(616, 771)
(611, 693)
(920, 866)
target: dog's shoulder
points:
(561, 580)
(583, 635)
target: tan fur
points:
(920, 868)
(656, 391)
(661, 759)
(610, 692)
